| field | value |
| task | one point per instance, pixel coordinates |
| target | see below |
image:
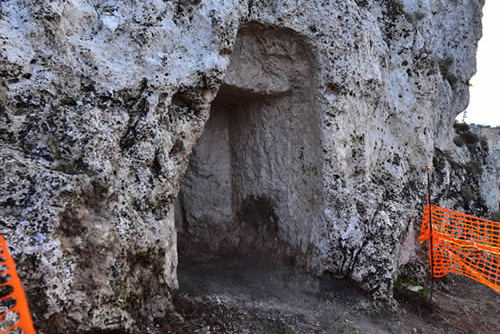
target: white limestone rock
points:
(103, 101)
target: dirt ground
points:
(252, 297)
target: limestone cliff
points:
(324, 116)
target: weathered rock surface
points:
(489, 138)
(254, 181)
(103, 101)
(466, 177)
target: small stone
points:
(414, 288)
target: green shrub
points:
(470, 138)
(484, 144)
(458, 140)
(435, 162)
(461, 127)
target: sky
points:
(484, 106)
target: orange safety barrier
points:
(463, 244)
(15, 316)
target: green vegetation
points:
(465, 136)
(484, 144)
(439, 162)
(459, 141)
(470, 138)
(461, 127)
(435, 162)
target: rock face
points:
(466, 177)
(323, 116)
(490, 140)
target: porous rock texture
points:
(489, 139)
(103, 101)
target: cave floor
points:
(255, 297)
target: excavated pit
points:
(253, 185)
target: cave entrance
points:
(253, 185)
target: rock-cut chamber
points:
(253, 185)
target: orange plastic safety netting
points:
(15, 316)
(463, 244)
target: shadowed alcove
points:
(253, 185)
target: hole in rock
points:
(253, 186)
